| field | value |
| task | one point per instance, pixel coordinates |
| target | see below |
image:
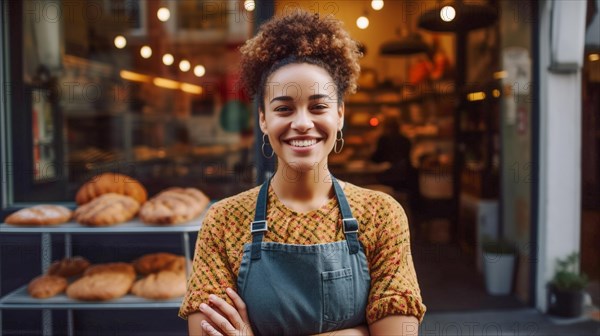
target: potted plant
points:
(498, 265)
(566, 289)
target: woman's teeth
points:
(303, 143)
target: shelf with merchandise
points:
(20, 299)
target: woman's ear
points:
(262, 121)
(341, 111)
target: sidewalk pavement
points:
(513, 322)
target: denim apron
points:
(304, 289)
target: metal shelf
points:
(20, 299)
(132, 226)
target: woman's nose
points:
(302, 121)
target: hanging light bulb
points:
(447, 13)
(377, 4)
(184, 65)
(163, 14)
(146, 51)
(120, 41)
(168, 59)
(249, 5)
(362, 22)
(199, 70)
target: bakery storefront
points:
(128, 111)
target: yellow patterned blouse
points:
(383, 231)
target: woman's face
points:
(302, 115)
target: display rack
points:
(20, 299)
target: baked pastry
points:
(173, 206)
(103, 282)
(111, 183)
(68, 267)
(178, 264)
(106, 210)
(160, 286)
(114, 267)
(155, 262)
(46, 286)
(40, 215)
(100, 286)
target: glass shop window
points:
(144, 88)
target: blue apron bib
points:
(304, 289)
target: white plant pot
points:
(498, 270)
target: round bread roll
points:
(111, 183)
(173, 206)
(40, 215)
(68, 267)
(161, 286)
(154, 262)
(46, 286)
(106, 210)
(100, 286)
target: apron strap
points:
(350, 224)
(259, 226)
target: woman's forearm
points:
(362, 330)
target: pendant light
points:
(457, 16)
(408, 44)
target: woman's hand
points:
(233, 321)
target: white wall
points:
(560, 154)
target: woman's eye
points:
(320, 107)
(282, 109)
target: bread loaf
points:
(114, 267)
(106, 210)
(100, 286)
(161, 286)
(154, 262)
(40, 215)
(68, 267)
(103, 282)
(111, 183)
(173, 206)
(46, 286)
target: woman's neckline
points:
(324, 208)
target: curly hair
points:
(300, 37)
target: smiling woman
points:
(304, 253)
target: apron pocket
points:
(338, 295)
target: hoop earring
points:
(338, 139)
(262, 148)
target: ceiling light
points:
(475, 96)
(362, 22)
(120, 41)
(377, 4)
(146, 51)
(166, 83)
(134, 76)
(199, 70)
(184, 65)
(447, 13)
(249, 5)
(191, 88)
(163, 14)
(168, 59)
(458, 16)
